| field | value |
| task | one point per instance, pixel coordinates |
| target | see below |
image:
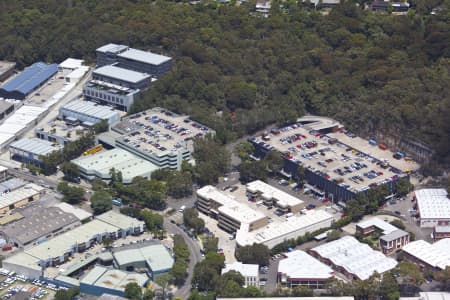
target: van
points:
(182, 208)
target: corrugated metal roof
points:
(35, 146)
(30, 78)
(91, 109)
(121, 74)
(144, 56)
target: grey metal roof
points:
(393, 235)
(111, 47)
(5, 105)
(121, 74)
(35, 146)
(44, 222)
(91, 109)
(144, 56)
(30, 78)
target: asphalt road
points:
(33, 178)
(195, 257)
(271, 283)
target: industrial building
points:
(272, 196)
(250, 272)
(392, 239)
(352, 258)
(31, 150)
(69, 65)
(58, 249)
(99, 165)
(231, 214)
(122, 77)
(79, 213)
(336, 163)
(3, 173)
(6, 108)
(435, 256)
(279, 231)
(110, 94)
(433, 206)
(300, 268)
(19, 197)
(30, 79)
(35, 228)
(58, 131)
(88, 113)
(160, 136)
(149, 256)
(133, 59)
(101, 280)
(6, 69)
(441, 232)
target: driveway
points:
(195, 257)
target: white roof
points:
(144, 56)
(434, 296)
(433, 203)
(119, 220)
(79, 213)
(267, 191)
(231, 207)
(114, 48)
(299, 264)
(435, 255)
(378, 223)
(156, 256)
(278, 229)
(78, 73)
(35, 146)
(112, 278)
(25, 192)
(247, 270)
(121, 74)
(3, 168)
(355, 257)
(92, 109)
(71, 63)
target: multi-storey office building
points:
(111, 94)
(122, 77)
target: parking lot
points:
(18, 287)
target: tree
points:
(107, 242)
(101, 126)
(333, 235)
(67, 294)
(389, 289)
(72, 194)
(273, 161)
(411, 277)
(302, 291)
(163, 281)
(153, 221)
(243, 150)
(192, 220)
(133, 291)
(210, 244)
(101, 202)
(254, 254)
(402, 186)
(398, 223)
(148, 295)
(205, 277)
(70, 171)
(444, 279)
(252, 170)
(212, 160)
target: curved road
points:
(194, 257)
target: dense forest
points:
(238, 72)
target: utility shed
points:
(28, 80)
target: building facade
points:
(250, 272)
(87, 112)
(111, 94)
(394, 241)
(441, 232)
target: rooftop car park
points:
(158, 131)
(324, 154)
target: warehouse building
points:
(122, 77)
(31, 150)
(352, 258)
(99, 165)
(79, 213)
(110, 94)
(272, 196)
(336, 163)
(36, 228)
(231, 214)
(19, 197)
(30, 79)
(250, 272)
(6, 69)
(101, 280)
(6, 108)
(441, 232)
(133, 59)
(160, 136)
(279, 231)
(300, 268)
(69, 65)
(88, 113)
(58, 249)
(435, 256)
(392, 238)
(149, 256)
(433, 206)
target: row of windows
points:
(104, 96)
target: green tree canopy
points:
(101, 202)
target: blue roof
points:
(30, 78)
